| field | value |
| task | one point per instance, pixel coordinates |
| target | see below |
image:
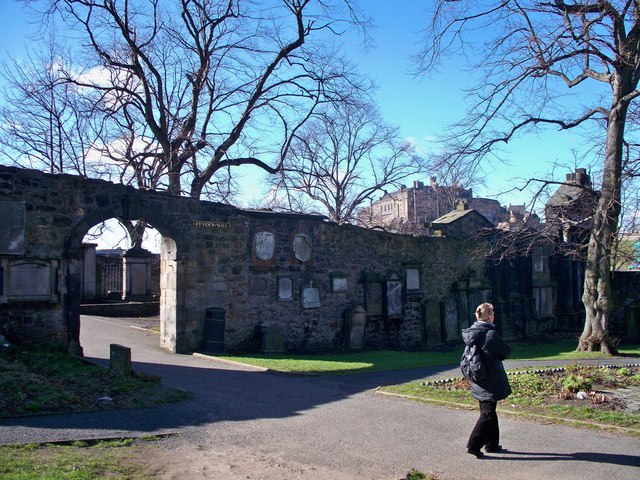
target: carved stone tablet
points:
(339, 284)
(394, 298)
(264, 244)
(310, 298)
(27, 279)
(413, 279)
(285, 289)
(302, 247)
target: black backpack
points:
(471, 364)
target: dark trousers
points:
(486, 433)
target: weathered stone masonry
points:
(295, 274)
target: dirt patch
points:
(183, 462)
(606, 389)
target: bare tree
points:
(189, 88)
(47, 124)
(531, 48)
(340, 159)
(43, 120)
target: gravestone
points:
(357, 323)
(285, 289)
(272, 340)
(120, 359)
(451, 329)
(310, 297)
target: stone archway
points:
(171, 274)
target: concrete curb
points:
(525, 415)
(230, 362)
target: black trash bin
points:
(214, 324)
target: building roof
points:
(456, 215)
(565, 195)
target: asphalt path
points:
(337, 423)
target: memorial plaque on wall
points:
(339, 284)
(264, 244)
(302, 247)
(413, 279)
(310, 297)
(12, 219)
(285, 289)
(394, 298)
(28, 279)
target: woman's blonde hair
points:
(483, 311)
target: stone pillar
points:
(136, 274)
(89, 271)
(72, 293)
(172, 309)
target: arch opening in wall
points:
(122, 263)
(139, 279)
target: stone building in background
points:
(411, 210)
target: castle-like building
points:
(413, 209)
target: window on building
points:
(539, 260)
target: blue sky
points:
(424, 107)
(421, 107)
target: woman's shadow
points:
(594, 457)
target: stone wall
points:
(625, 321)
(262, 272)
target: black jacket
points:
(496, 386)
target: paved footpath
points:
(336, 424)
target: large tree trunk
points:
(597, 296)
(174, 187)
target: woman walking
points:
(494, 387)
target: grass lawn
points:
(41, 379)
(550, 395)
(380, 360)
(79, 461)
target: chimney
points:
(581, 176)
(417, 185)
(462, 205)
(433, 182)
